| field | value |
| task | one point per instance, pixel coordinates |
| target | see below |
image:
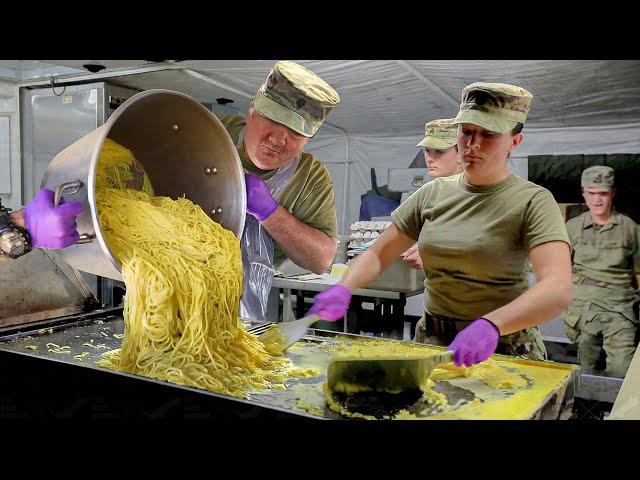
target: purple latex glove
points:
(475, 343)
(260, 202)
(333, 303)
(51, 226)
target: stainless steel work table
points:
(388, 303)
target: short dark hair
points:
(517, 129)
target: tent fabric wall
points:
(367, 151)
(579, 106)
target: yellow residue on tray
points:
(383, 348)
(297, 372)
(523, 403)
(488, 372)
(520, 386)
(81, 356)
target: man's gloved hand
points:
(260, 202)
(51, 226)
(333, 303)
(475, 343)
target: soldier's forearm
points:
(17, 217)
(306, 246)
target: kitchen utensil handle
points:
(74, 186)
(311, 319)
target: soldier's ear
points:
(516, 140)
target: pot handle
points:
(74, 187)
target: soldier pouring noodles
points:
(290, 195)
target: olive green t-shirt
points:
(308, 196)
(605, 253)
(474, 240)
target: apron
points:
(257, 251)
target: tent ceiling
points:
(392, 98)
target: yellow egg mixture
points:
(504, 387)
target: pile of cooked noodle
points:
(183, 273)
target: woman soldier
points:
(475, 231)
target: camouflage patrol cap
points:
(496, 107)
(439, 134)
(295, 97)
(598, 176)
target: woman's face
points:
(441, 163)
(484, 153)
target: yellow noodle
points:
(55, 348)
(183, 274)
(274, 340)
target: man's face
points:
(270, 145)
(598, 200)
(441, 163)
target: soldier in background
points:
(441, 157)
(602, 320)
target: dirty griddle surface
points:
(87, 342)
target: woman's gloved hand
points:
(333, 303)
(51, 226)
(475, 343)
(260, 202)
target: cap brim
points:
(485, 120)
(281, 114)
(606, 188)
(437, 143)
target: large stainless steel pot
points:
(184, 150)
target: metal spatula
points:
(295, 330)
(390, 374)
